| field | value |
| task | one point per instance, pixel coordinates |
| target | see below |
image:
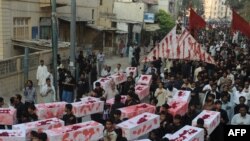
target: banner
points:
(182, 46)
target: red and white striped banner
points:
(182, 46)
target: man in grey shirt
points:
(29, 93)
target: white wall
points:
(129, 11)
(163, 5)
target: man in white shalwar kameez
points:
(41, 74)
(130, 53)
(48, 93)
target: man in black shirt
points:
(130, 100)
(98, 91)
(216, 135)
(117, 104)
(190, 115)
(242, 101)
(20, 107)
(32, 113)
(82, 86)
(69, 118)
(117, 117)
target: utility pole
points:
(73, 37)
(26, 64)
(54, 42)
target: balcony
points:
(47, 3)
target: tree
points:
(166, 22)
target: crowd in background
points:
(223, 87)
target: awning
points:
(121, 32)
(151, 27)
(78, 19)
(101, 28)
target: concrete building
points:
(216, 10)
(18, 20)
(30, 19)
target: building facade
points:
(216, 10)
(30, 19)
(18, 20)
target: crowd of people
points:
(223, 87)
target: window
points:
(45, 28)
(114, 24)
(21, 28)
(100, 2)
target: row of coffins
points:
(141, 119)
(193, 133)
(179, 105)
(55, 130)
(142, 86)
(87, 131)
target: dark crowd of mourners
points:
(223, 87)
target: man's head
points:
(211, 82)
(118, 66)
(12, 100)
(130, 96)
(109, 124)
(41, 62)
(68, 108)
(240, 88)
(97, 84)
(242, 100)
(224, 98)
(18, 98)
(48, 81)
(117, 98)
(29, 83)
(161, 85)
(108, 68)
(214, 87)
(191, 107)
(31, 108)
(200, 122)
(43, 137)
(117, 114)
(163, 116)
(193, 85)
(225, 74)
(243, 110)
(153, 101)
(218, 104)
(246, 85)
(177, 120)
(210, 98)
(165, 107)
